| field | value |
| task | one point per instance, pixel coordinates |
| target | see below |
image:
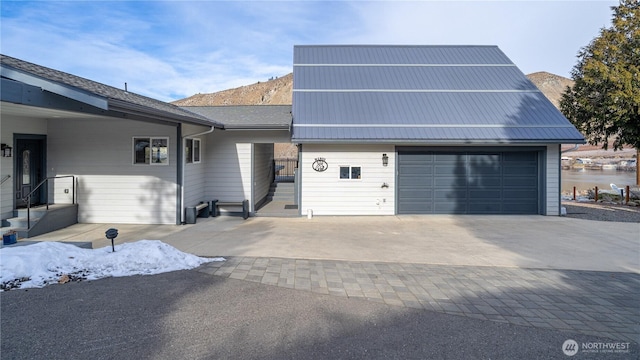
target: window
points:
(192, 151)
(150, 150)
(350, 172)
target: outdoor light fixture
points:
(6, 150)
(385, 160)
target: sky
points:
(169, 50)
(45, 263)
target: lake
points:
(588, 179)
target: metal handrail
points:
(5, 179)
(27, 198)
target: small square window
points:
(350, 172)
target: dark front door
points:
(30, 170)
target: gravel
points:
(602, 212)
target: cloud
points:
(173, 49)
(535, 35)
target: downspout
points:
(183, 162)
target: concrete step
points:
(20, 222)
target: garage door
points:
(466, 182)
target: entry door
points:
(29, 170)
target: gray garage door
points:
(468, 182)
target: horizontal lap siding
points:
(553, 180)
(9, 126)
(326, 194)
(228, 171)
(263, 165)
(195, 179)
(110, 188)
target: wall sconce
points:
(6, 150)
(385, 160)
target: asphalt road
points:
(192, 315)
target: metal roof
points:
(428, 94)
(94, 93)
(261, 117)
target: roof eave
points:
(258, 127)
(54, 87)
(458, 142)
(159, 115)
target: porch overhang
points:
(76, 94)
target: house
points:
(118, 157)
(387, 130)
(381, 130)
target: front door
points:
(29, 169)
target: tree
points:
(604, 100)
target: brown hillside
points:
(278, 92)
(273, 92)
(551, 85)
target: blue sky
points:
(169, 50)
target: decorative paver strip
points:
(589, 302)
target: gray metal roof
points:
(94, 93)
(428, 94)
(275, 117)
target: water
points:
(588, 179)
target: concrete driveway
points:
(504, 241)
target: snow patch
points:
(44, 263)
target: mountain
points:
(278, 92)
(273, 92)
(551, 85)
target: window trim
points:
(150, 139)
(350, 173)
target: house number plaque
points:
(320, 165)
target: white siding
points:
(229, 163)
(262, 170)
(195, 179)
(326, 194)
(553, 180)
(110, 188)
(228, 170)
(9, 126)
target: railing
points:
(27, 198)
(5, 178)
(284, 169)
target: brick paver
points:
(588, 302)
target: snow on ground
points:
(44, 263)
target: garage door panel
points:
(529, 170)
(469, 182)
(415, 181)
(520, 157)
(485, 194)
(519, 208)
(449, 208)
(450, 195)
(521, 194)
(449, 158)
(417, 171)
(415, 194)
(485, 182)
(445, 170)
(485, 208)
(520, 182)
(484, 170)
